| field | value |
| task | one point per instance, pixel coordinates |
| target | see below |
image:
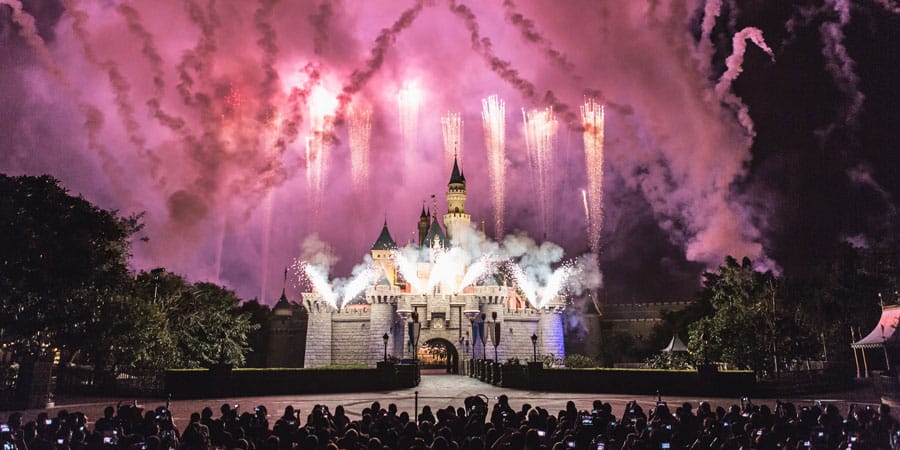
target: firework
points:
(587, 210)
(540, 140)
(317, 277)
(494, 117)
(593, 120)
(360, 121)
(408, 100)
(318, 143)
(452, 126)
(357, 284)
(407, 270)
(538, 296)
(476, 271)
(270, 142)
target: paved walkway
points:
(437, 391)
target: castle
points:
(446, 315)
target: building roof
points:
(436, 231)
(884, 331)
(384, 241)
(456, 177)
(283, 307)
(675, 345)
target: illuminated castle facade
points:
(355, 333)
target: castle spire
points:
(456, 176)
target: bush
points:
(671, 360)
(576, 361)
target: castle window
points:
(456, 210)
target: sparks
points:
(494, 117)
(408, 100)
(593, 120)
(452, 127)
(540, 140)
(360, 121)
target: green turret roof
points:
(457, 177)
(384, 241)
(437, 231)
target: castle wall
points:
(318, 336)
(351, 334)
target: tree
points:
(208, 327)
(61, 259)
(743, 328)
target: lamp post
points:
(483, 342)
(404, 314)
(495, 333)
(463, 349)
(414, 332)
(534, 345)
(385, 337)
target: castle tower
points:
(287, 328)
(424, 225)
(456, 217)
(382, 254)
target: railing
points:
(84, 381)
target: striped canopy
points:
(884, 331)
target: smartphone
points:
(541, 433)
(48, 422)
(587, 421)
(820, 434)
(759, 432)
(806, 443)
(601, 445)
(665, 446)
(725, 424)
(108, 440)
(9, 446)
(570, 444)
(660, 404)
(668, 426)
(4, 428)
(852, 438)
(236, 406)
(60, 441)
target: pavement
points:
(437, 391)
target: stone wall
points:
(318, 336)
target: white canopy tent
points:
(884, 334)
(675, 345)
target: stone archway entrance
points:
(439, 353)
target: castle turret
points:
(456, 217)
(382, 254)
(287, 328)
(424, 225)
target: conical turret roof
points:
(456, 177)
(384, 241)
(436, 231)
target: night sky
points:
(197, 113)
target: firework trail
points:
(318, 145)
(504, 69)
(220, 251)
(270, 138)
(357, 284)
(838, 61)
(269, 48)
(360, 130)
(93, 118)
(734, 64)
(530, 34)
(889, 6)
(148, 46)
(711, 11)
(539, 296)
(540, 128)
(593, 121)
(317, 277)
(587, 210)
(384, 41)
(493, 116)
(120, 86)
(452, 129)
(320, 21)
(408, 101)
(297, 99)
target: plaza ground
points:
(437, 391)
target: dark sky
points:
(206, 114)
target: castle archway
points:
(439, 353)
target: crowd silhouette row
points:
(477, 425)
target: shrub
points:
(576, 361)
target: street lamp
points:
(495, 333)
(404, 312)
(483, 343)
(534, 345)
(415, 328)
(385, 337)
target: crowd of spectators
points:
(477, 425)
